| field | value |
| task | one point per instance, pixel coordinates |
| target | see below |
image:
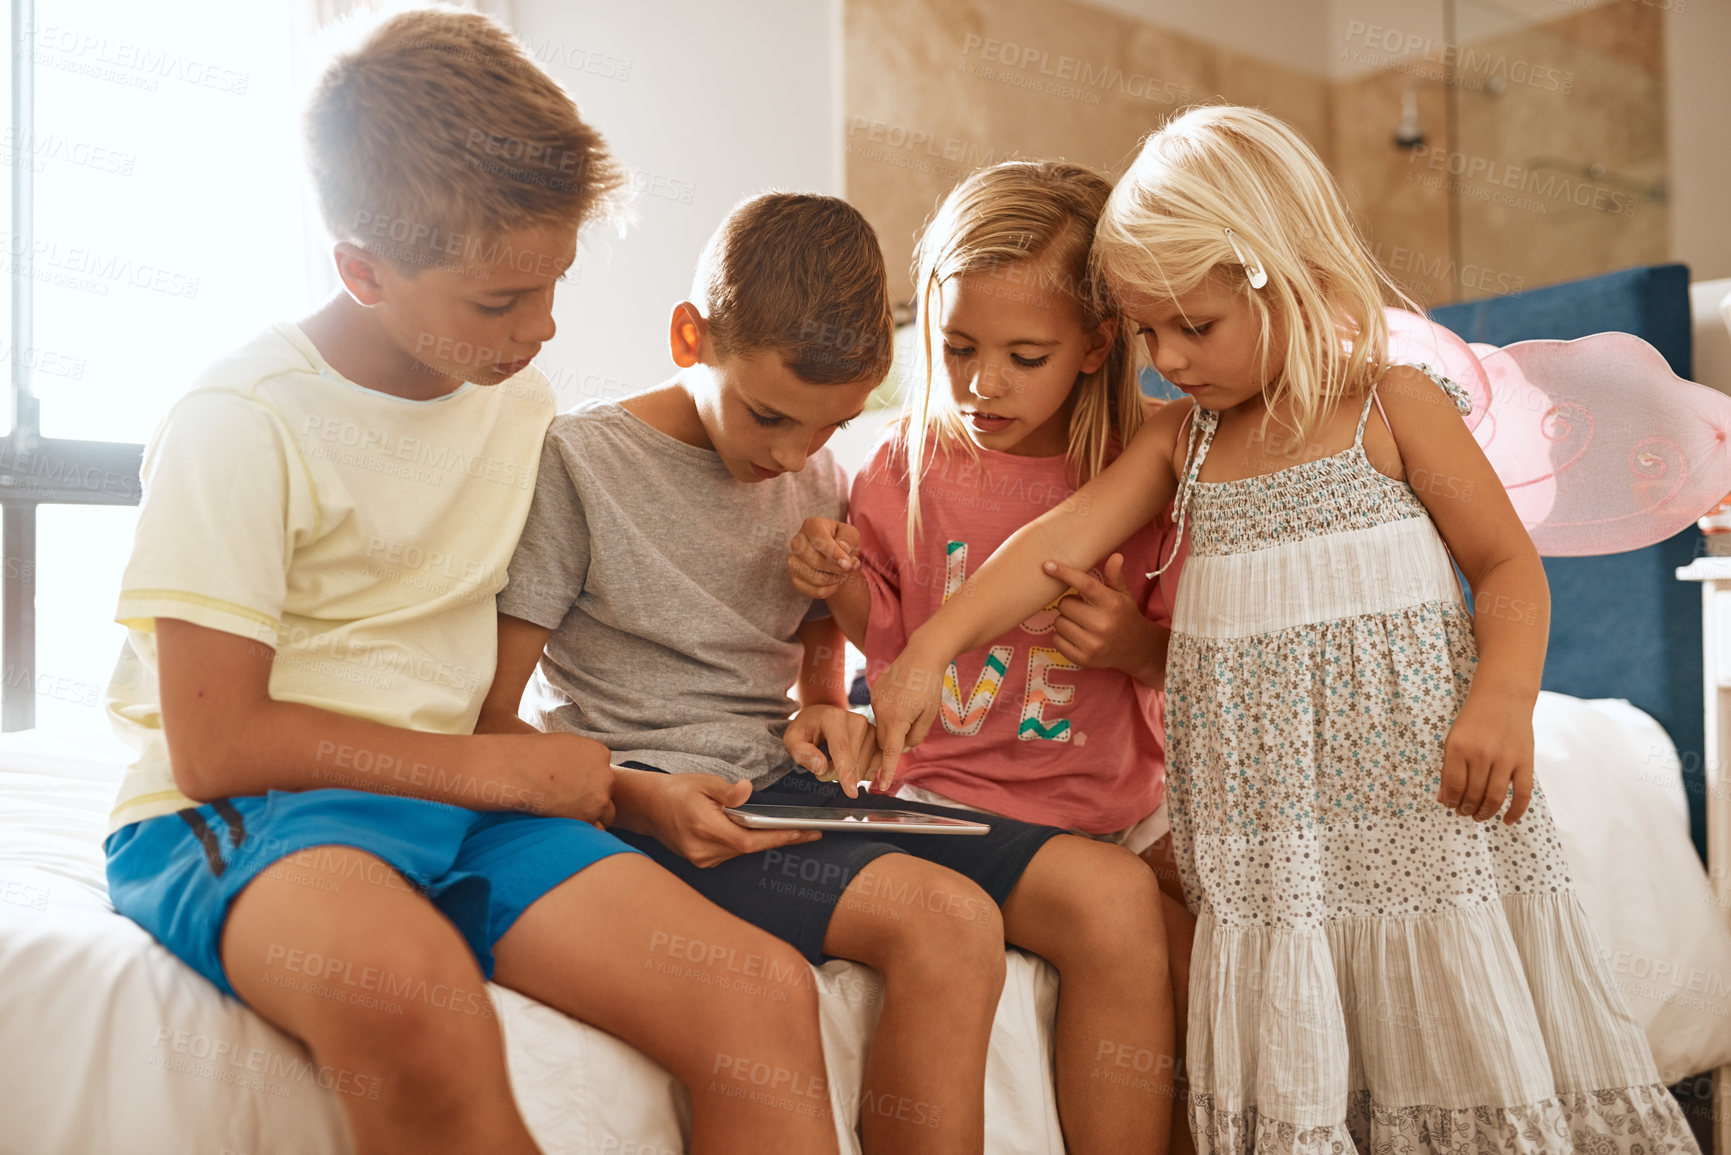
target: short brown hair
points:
(803, 276)
(439, 133)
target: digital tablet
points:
(850, 818)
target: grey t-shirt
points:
(665, 583)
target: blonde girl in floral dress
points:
(1389, 953)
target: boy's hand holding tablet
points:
(688, 814)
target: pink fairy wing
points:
(1637, 452)
(1516, 433)
(1416, 340)
(1603, 449)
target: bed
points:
(109, 1044)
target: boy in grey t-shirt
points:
(675, 637)
(649, 607)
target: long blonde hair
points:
(1039, 215)
(1220, 167)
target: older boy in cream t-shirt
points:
(328, 515)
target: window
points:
(156, 216)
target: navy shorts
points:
(175, 875)
(793, 891)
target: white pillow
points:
(1615, 788)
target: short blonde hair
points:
(1223, 167)
(1037, 216)
(439, 134)
(800, 275)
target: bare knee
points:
(773, 1046)
(1106, 913)
(1125, 907)
(404, 1016)
(360, 967)
(930, 929)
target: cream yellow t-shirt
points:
(359, 535)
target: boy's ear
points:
(359, 272)
(686, 334)
(1100, 346)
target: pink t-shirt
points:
(1023, 732)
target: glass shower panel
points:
(1557, 131)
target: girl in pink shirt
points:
(1025, 388)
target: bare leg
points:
(729, 1009)
(938, 941)
(429, 1067)
(1180, 938)
(1093, 911)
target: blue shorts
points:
(175, 875)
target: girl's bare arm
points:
(1471, 508)
(1082, 531)
(1490, 745)
(823, 671)
(226, 735)
(1013, 583)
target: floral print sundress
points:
(1371, 970)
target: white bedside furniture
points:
(1710, 308)
(1714, 574)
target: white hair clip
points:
(1257, 274)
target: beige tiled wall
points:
(1486, 206)
(935, 90)
(1591, 196)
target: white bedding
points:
(109, 1044)
(1615, 789)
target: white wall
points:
(710, 103)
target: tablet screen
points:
(833, 817)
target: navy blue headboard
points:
(1622, 625)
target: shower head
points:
(1409, 133)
